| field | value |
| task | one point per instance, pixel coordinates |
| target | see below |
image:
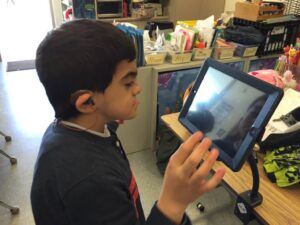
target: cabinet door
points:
(194, 9)
(188, 9)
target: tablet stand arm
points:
(247, 200)
(253, 196)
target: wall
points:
(230, 4)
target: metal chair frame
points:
(14, 210)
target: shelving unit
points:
(140, 133)
(108, 8)
(173, 10)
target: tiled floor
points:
(25, 113)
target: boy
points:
(82, 175)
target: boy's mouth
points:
(136, 102)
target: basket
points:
(277, 34)
(293, 7)
(178, 58)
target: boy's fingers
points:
(193, 161)
(186, 148)
(206, 166)
(214, 180)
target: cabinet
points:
(192, 9)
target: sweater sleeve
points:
(156, 217)
(108, 202)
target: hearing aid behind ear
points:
(82, 97)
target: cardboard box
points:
(177, 58)
(201, 53)
(255, 12)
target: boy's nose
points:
(138, 89)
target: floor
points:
(25, 113)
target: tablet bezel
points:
(274, 95)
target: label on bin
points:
(203, 53)
(181, 58)
(153, 59)
(278, 30)
(251, 51)
(226, 53)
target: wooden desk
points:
(280, 206)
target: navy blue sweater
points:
(84, 179)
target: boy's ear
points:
(84, 102)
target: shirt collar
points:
(106, 132)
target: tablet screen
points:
(231, 108)
(225, 109)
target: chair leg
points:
(12, 160)
(7, 138)
(14, 210)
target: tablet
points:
(231, 108)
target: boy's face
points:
(119, 101)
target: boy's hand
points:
(185, 178)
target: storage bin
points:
(223, 53)
(155, 58)
(277, 34)
(223, 49)
(201, 53)
(245, 50)
(177, 58)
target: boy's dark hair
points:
(80, 55)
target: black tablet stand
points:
(247, 200)
(253, 197)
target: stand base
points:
(254, 201)
(245, 204)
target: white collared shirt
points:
(106, 132)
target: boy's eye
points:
(129, 84)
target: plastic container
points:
(277, 34)
(245, 50)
